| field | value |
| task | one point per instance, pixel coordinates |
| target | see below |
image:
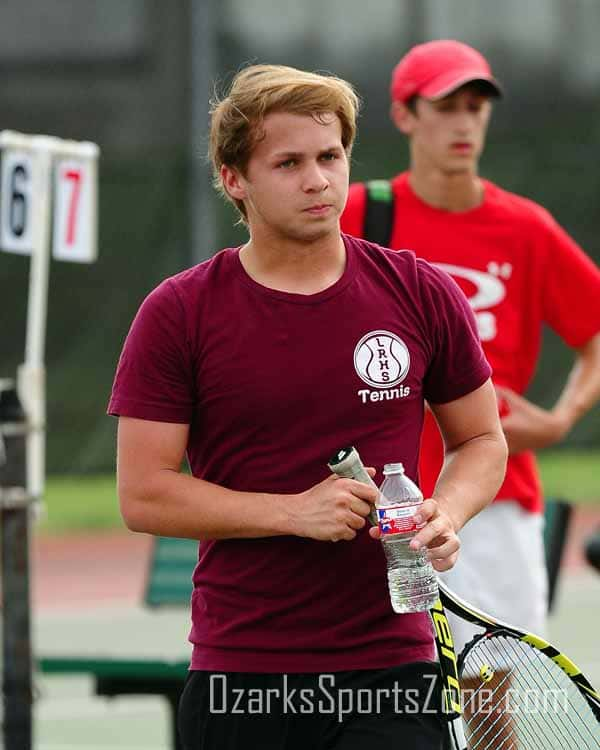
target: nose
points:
(315, 180)
(463, 122)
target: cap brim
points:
(448, 83)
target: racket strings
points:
(511, 709)
(563, 739)
(491, 735)
(476, 728)
(476, 693)
(528, 660)
(578, 708)
(500, 734)
(550, 677)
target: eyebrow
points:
(299, 154)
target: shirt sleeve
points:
(571, 289)
(457, 365)
(353, 219)
(154, 376)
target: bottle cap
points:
(393, 469)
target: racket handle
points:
(348, 464)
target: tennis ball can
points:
(411, 579)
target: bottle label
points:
(398, 519)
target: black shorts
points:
(376, 709)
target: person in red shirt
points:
(520, 270)
(256, 365)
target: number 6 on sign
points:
(75, 210)
(16, 220)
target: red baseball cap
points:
(435, 69)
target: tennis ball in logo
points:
(486, 672)
(381, 359)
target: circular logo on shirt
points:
(381, 359)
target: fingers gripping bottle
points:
(411, 578)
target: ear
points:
(402, 117)
(233, 182)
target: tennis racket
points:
(507, 689)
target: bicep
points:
(471, 416)
(145, 447)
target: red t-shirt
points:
(272, 385)
(519, 269)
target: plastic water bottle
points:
(411, 578)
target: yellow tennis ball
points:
(486, 672)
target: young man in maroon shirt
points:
(250, 364)
(520, 270)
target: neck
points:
(299, 267)
(450, 191)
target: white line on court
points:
(90, 611)
(98, 707)
(70, 746)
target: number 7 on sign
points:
(75, 176)
(75, 209)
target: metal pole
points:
(14, 530)
(202, 73)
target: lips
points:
(318, 208)
(462, 146)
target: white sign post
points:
(40, 176)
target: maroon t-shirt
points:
(272, 384)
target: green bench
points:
(169, 584)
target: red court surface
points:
(89, 570)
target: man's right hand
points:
(332, 510)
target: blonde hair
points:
(258, 90)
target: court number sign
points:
(74, 199)
(16, 216)
(74, 211)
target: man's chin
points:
(312, 234)
(464, 168)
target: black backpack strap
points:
(379, 212)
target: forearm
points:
(530, 427)
(582, 389)
(169, 503)
(471, 476)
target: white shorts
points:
(501, 570)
